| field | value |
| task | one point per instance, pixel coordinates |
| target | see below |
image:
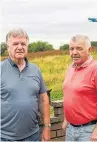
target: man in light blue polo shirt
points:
(21, 87)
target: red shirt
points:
(80, 93)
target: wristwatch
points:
(47, 125)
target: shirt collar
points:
(85, 64)
(13, 64)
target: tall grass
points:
(53, 69)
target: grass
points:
(53, 69)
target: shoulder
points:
(94, 72)
(94, 65)
(70, 67)
(35, 70)
(3, 63)
(33, 66)
(93, 68)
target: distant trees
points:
(64, 47)
(33, 47)
(39, 46)
(3, 48)
(94, 43)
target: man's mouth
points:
(76, 57)
(19, 52)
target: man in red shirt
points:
(80, 92)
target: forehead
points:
(17, 39)
(79, 43)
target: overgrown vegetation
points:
(94, 43)
(39, 46)
(53, 69)
(64, 47)
(3, 48)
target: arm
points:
(46, 116)
(95, 78)
(65, 123)
(94, 134)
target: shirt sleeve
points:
(43, 88)
(95, 78)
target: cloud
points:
(50, 20)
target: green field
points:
(53, 69)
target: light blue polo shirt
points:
(20, 93)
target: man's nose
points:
(19, 46)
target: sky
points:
(52, 21)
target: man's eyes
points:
(78, 48)
(23, 44)
(16, 43)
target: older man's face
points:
(79, 52)
(17, 47)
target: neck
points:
(19, 62)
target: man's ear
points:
(7, 47)
(90, 49)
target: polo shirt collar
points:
(85, 64)
(13, 64)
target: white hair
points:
(82, 38)
(16, 33)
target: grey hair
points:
(82, 38)
(17, 33)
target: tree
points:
(39, 46)
(94, 43)
(3, 48)
(64, 47)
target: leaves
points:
(39, 46)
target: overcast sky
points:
(54, 21)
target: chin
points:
(77, 62)
(20, 57)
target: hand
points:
(46, 134)
(64, 125)
(94, 135)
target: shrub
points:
(39, 46)
(3, 48)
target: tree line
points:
(40, 46)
